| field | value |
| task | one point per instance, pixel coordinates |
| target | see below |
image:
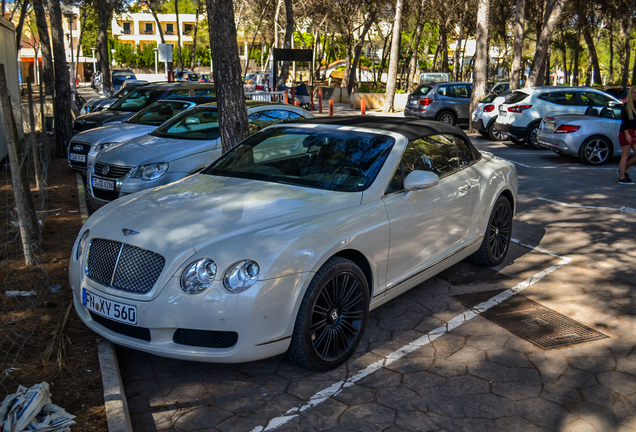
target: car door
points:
(430, 224)
(462, 100)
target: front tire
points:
(595, 150)
(496, 241)
(332, 316)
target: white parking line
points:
(622, 209)
(337, 387)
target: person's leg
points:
(622, 165)
(629, 161)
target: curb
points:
(117, 413)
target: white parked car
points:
(84, 146)
(288, 240)
(486, 113)
(521, 114)
(181, 146)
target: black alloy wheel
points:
(498, 234)
(531, 137)
(332, 316)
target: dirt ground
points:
(77, 386)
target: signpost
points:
(165, 55)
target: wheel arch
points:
(451, 111)
(361, 261)
(507, 193)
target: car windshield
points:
(158, 113)
(119, 79)
(195, 124)
(136, 100)
(344, 161)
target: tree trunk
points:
(444, 47)
(194, 37)
(544, 42)
(579, 22)
(104, 12)
(357, 49)
(347, 71)
(176, 13)
(233, 123)
(289, 32)
(611, 32)
(415, 48)
(153, 12)
(384, 52)
(517, 50)
(395, 56)
(564, 57)
(458, 45)
(626, 32)
(18, 28)
(480, 78)
(62, 109)
(45, 45)
(591, 48)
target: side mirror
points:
(613, 104)
(192, 121)
(418, 180)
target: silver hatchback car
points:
(447, 102)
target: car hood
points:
(100, 102)
(200, 210)
(105, 116)
(149, 148)
(113, 133)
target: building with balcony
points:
(140, 29)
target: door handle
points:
(464, 188)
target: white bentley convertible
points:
(286, 242)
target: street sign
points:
(165, 52)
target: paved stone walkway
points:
(478, 377)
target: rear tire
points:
(595, 150)
(494, 134)
(497, 238)
(446, 117)
(531, 137)
(332, 316)
(484, 134)
(516, 140)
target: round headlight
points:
(81, 245)
(241, 276)
(198, 276)
(150, 171)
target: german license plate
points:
(103, 184)
(116, 311)
(550, 126)
(77, 157)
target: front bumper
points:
(263, 317)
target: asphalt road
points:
(427, 363)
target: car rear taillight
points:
(489, 108)
(519, 108)
(425, 101)
(567, 129)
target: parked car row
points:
(541, 117)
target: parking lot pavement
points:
(429, 363)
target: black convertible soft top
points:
(412, 129)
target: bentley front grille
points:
(123, 266)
